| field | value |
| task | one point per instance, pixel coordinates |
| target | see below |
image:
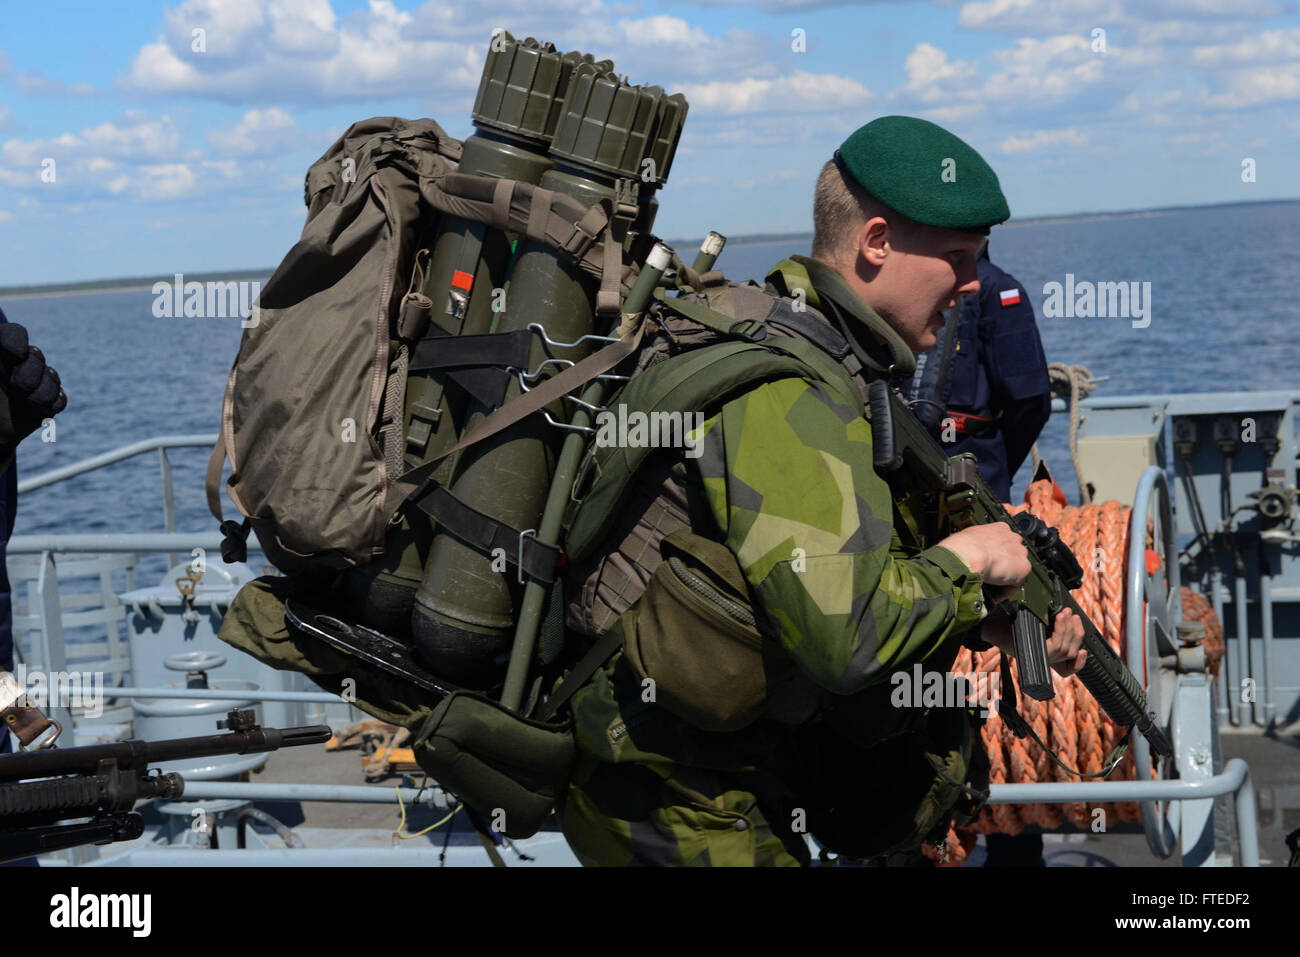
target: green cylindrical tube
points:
(464, 610)
(518, 104)
(710, 250)
(530, 608)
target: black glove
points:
(31, 389)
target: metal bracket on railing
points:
(186, 585)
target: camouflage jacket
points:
(840, 566)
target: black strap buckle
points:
(234, 547)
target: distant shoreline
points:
(138, 283)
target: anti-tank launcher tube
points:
(530, 613)
(460, 270)
(465, 609)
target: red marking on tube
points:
(462, 280)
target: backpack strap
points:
(536, 398)
(824, 358)
(700, 379)
(589, 236)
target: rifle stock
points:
(900, 442)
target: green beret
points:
(924, 172)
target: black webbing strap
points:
(438, 350)
(477, 364)
(813, 328)
(596, 655)
(579, 374)
(485, 534)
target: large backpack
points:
(312, 415)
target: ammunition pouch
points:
(509, 769)
(692, 634)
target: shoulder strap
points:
(693, 381)
(818, 358)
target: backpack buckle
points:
(751, 330)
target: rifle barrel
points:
(136, 754)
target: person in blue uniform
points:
(984, 389)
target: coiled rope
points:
(1071, 383)
(1072, 723)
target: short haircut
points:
(840, 207)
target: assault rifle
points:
(103, 781)
(902, 443)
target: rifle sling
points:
(1020, 728)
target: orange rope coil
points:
(1072, 723)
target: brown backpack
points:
(312, 415)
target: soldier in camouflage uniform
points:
(846, 588)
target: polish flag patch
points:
(1010, 297)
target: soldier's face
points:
(911, 277)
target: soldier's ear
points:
(875, 239)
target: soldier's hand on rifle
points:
(1065, 652)
(995, 552)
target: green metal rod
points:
(530, 609)
(709, 252)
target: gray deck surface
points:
(1274, 764)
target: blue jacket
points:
(999, 374)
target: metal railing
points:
(1234, 780)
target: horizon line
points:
(124, 283)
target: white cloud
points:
(1041, 139)
(1255, 87)
(1042, 17)
(6, 114)
(1039, 17)
(258, 50)
(135, 137)
(6, 216)
(1050, 68)
(258, 133)
(663, 30)
(35, 82)
(932, 77)
(1267, 47)
(960, 113)
(298, 51)
(166, 181)
(806, 92)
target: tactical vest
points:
(726, 338)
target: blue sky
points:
(169, 160)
